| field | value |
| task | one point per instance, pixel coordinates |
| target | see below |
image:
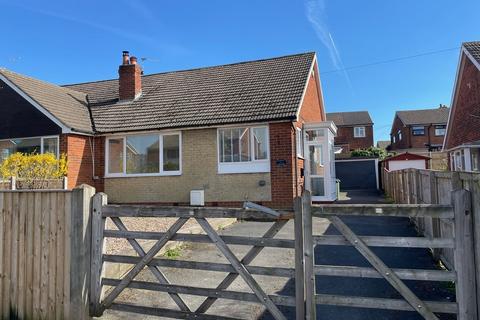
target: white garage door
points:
(406, 164)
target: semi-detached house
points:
(246, 131)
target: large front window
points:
(28, 146)
(153, 154)
(243, 149)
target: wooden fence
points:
(46, 184)
(44, 254)
(436, 187)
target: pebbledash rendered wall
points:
(199, 171)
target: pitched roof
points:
(68, 106)
(261, 90)
(474, 49)
(383, 144)
(425, 116)
(349, 118)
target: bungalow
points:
(462, 140)
(246, 131)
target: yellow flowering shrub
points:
(34, 170)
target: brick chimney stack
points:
(130, 78)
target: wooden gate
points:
(463, 275)
(102, 299)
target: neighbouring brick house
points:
(462, 141)
(239, 132)
(355, 130)
(418, 131)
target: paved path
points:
(334, 255)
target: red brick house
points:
(245, 131)
(355, 130)
(418, 131)
(462, 140)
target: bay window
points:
(143, 155)
(243, 149)
(38, 145)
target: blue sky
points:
(76, 41)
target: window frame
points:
(300, 143)
(444, 128)
(399, 134)
(252, 166)
(41, 142)
(161, 172)
(355, 135)
(413, 130)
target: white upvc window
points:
(399, 135)
(418, 130)
(34, 145)
(440, 130)
(144, 155)
(359, 132)
(300, 145)
(243, 149)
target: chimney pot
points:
(125, 57)
(133, 60)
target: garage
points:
(405, 161)
(357, 174)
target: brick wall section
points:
(345, 138)
(312, 110)
(464, 127)
(80, 150)
(130, 81)
(409, 141)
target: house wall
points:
(312, 110)
(199, 171)
(409, 141)
(465, 123)
(345, 138)
(85, 159)
(20, 119)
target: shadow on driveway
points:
(412, 258)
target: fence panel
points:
(42, 236)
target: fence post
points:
(98, 243)
(464, 255)
(299, 261)
(310, 309)
(65, 183)
(13, 183)
(80, 235)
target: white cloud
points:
(317, 16)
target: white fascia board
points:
(65, 129)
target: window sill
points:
(244, 167)
(139, 175)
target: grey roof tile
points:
(261, 90)
(425, 116)
(474, 49)
(68, 106)
(350, 118)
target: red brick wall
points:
(345, 138)
(130, 81)
(465, 123)
(79, 150)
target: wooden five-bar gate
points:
(105, 291)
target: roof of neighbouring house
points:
(350, 118)
(254, 91)
(474, 49)
(383, 144)
(68, 106)
(406, 156)
(425, 116)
